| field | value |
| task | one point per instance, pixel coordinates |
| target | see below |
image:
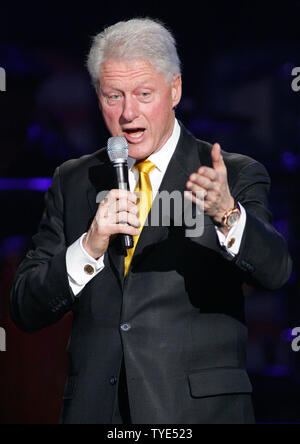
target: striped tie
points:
(145, 201)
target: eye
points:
(145, 95)
(114, 97)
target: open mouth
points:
(134, 133)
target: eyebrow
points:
(116, 87)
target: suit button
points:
(113, 380)
(125, 327)
(247, 267)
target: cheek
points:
(163, 107)
(111, 115)
(161, 118)
(157, 112)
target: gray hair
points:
(137, 38)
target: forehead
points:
(128, 72)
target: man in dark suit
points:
(158, 336)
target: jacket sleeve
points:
(41, 294)
(263, 255)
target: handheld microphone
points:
(117, 150)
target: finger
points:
(124, 229)
(104, 203)
(210, 173)
(202, 204)
(124, 224)
(128, 218)
(202, 181)
(197, 199)
(122, 194)
(118, 200)
(191, 186)
(125, 205)
(217, 158)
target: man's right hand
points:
(114, 214)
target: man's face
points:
(137, 103)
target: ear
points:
(176, 89)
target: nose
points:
(130, 109)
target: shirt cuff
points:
(81, 267)
(232, 242)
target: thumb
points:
(217, 158)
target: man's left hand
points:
(212, 184)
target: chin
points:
(139, 153)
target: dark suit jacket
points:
(184, 345)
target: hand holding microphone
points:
(118, 212)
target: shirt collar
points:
(162, 158)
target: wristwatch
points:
(231, 217)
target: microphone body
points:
(121, 170)
(117, 150)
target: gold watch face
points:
(233, 219)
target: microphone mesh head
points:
(117, 148)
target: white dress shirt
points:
(81, 267)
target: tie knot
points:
(145, 166)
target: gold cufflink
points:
(231, 243)
(89, 269)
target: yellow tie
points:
(145, 201)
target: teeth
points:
(136, 135)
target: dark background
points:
(237, 63)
